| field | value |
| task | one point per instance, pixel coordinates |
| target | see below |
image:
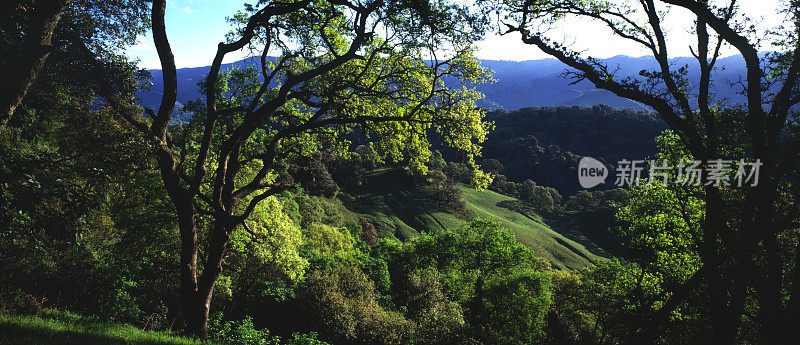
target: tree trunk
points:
(197, 293)
(770, 295)
(36, 47)
(196, 313)
(770, 285)
(188, 270)
(724, 326)
(793, 309)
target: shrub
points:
(240, 332)
(439, 320)
(441, 188)
(343, 307)
(243, 332)
(271, 241)
(328, 240)
(513, 308)
(368, 233)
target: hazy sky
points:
(194, 28)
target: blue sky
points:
(195, 27)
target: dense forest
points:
(349, 185)
(545, 144)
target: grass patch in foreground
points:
(57, 327)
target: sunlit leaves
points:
(273, 238)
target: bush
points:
(513, 308)
(441, 188)
(439, 320)
(343, 307)
(243, 332)
(313, 175)
(368, 233)
(597, 200)
(328, 240)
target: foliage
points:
(288, 186)
(273, 239)
(470, 265)
(72, 212)
(739, 230)
(544, 144)
(659, 226)
(85, 54)
(437, 185)
(513, 308)
(368, 233)
(328, 240)
(341, 67)
(596, 200)
(343, 307)
(242, 332)
(438, 319)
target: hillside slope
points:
(545, 144)
(390, 202)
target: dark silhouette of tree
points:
(737, 256)
(70, 35)
(34, 50)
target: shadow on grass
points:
(393, 193)
(589, 228)
(522, 208)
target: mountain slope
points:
(519, 83)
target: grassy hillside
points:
(66, 328)
(530, 230)
(390, 202)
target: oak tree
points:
(325, 69)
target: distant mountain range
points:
(519, 83)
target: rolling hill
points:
(519, 83)
(390, 202)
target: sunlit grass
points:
(390, 201)
(529, 230)
(56, 327)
